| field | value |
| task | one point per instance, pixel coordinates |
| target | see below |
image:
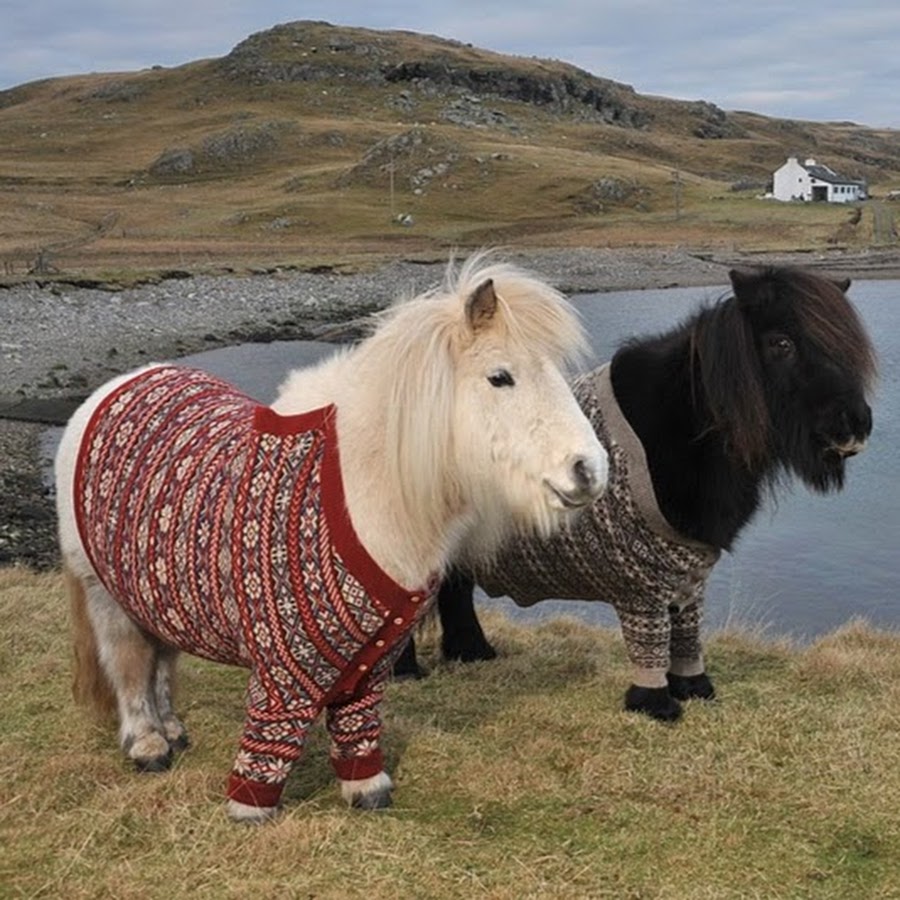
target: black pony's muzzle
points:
(851, 448)
(851, 431)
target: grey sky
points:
(823, 60)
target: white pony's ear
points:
(481, 305)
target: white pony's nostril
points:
(588, 475)
(583, 474)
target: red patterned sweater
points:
(221, 527)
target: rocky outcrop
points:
(230, 149)
(309, 51)
(606, 193)
(316, 51)
(714, 123)
(417, 157)
(574, 91)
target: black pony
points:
(700, 422)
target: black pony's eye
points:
(501, 378)
(780, 345)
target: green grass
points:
(516, 778)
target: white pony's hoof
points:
(149, 753)
(251, 815)
(368, 793)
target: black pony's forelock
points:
(832, 323)
(727, 381)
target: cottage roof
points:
(823, 173)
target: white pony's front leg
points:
(355, 729)
(251, 815)
(368, 793)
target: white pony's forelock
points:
(534, 313)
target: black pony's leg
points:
(407, 665)
(462, 637)
(687, 672)
(646, 634)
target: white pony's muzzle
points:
(587, 475)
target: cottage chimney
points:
(810, 162)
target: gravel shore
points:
(58, 342)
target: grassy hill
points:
(313, 144)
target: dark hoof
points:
(475, 651)
(691, 687)
(155, 764)
(410, 674)
(657, 703)
(374, 800)
(406, 665)
(180, 744)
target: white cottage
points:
(811, 181)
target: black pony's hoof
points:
(409, 673)
(472, 651)
(657, 703)
(406, 665)
(691, 687)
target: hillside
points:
(312, 144)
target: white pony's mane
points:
(418, 343)
(396, 398)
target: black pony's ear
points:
(745, 281)
(843, 284)
(752, 286)
(481, 305)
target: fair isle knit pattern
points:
(620, 550)
(221, 528)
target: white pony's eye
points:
(501, 378)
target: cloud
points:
(814, 60)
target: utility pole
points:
(676, 176)
(391, 171)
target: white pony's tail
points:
(90, 686)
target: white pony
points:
(303, 540)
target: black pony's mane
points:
(696, 395)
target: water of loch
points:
(806, 564)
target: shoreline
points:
(59, 342)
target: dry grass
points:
(517, 778)
(77, 176)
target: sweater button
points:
(415, 598)
(398, 621)
(379, 643)
(363, 667)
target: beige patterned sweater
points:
(621, 550)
